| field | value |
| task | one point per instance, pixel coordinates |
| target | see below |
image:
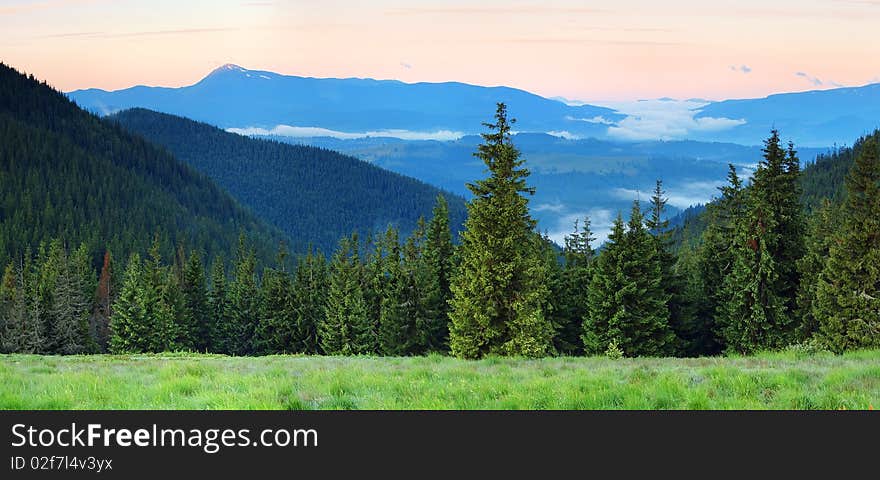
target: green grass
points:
(189, 381)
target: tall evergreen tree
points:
(498, 293)
(761, 291)
(128, 326)
(438, 254)
(309, 300)
(244, 300)
(673, 281)
(346, 328)
(821, 232)
(628, 304)
(195, 304)
(847, 304)
(713, 263)
(276, 330)
(572, 300)
(222, 329)
(396, 331)
(70, 309)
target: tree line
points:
(764, 275)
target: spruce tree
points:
(195, 304)
(277, 327)
(672, 280)
(847, 303)
(222, 330)
(821, 232)
(70, 309)
(761, 291)
(128, 327)
(309, 299)
(498, 293)
(244, 300)
(713, 263)
(159, 303)
(346, 328)
(438, 257)
(572, 301)
(396, 332)
(627, 300)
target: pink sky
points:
(621, 50)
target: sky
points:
(588, 51)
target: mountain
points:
(65, 173)
(813, 118)
(234, 97)
(316, 196)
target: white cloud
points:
(679, 195)
(304, 132)
(664, 119)
(564, 134)
(597, 119)
(601, 220)
(549, 207)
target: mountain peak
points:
(229, 67)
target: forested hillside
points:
(66, 174)
(314, 195)
(820, 180)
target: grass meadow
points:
(782, 380)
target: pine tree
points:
(244, 300)
(195, 304)
(222, 330)
(498, 294)
(309, 301)
(820, 235)
(672, 281)
(847, 303)
(70, 308)
(159, 303)
(422, 294)
(714, 262)
(128, 325)
(277, 328)
(346, 328)
(627, 301)
(761, 291)
(396, 332)
(438, 256)
(571, 301)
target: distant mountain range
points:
(254, 101)
(234, 97)
(814, 118)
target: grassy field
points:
(188, 381)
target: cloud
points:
(680, 195)
(306, 132)
(549, 207)
(597, 119)
(406, 65)
(601, 220)
(664, 119)
(741, 68)
(814, 80)
(564, 134)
